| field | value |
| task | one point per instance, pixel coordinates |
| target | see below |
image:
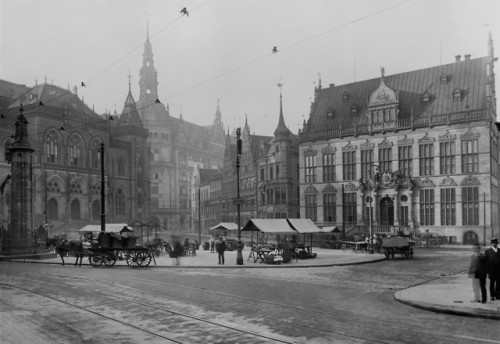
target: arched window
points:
(52, 209)
(95, 155)
(51, 148)
(120, 202)
(75, 151)
(121, 167)
(75, 210)
(96, 210)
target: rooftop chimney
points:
(467, 57)
(457, 58)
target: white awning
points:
(273, 226)
(110, 227)
(304, 226)
(332, 229)
(226, 225)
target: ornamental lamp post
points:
(239, 256)
(371, 188)
(103, 194)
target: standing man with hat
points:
(492, 257)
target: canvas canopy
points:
(272, 226)
(333, 229)
(226, 226)
(304, 226)
(110, 227)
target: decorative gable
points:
(470, 180)
(383, 105)
(329, 189)
(447, 137)
(367, 145)
(349, 147)
(448, 181)
(426, 183)
(385, 143)
(426, 139)
(311, 190)
(405, 141)
(469, 135)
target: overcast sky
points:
(223, 49)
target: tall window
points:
(51, 148)
(447, 158)
(310, 169)
(52, 209)
(121, 167)
(280, 195)
(95, 155)
(366, 163)
(96, 210)
(75, 151)
(470, 156)
(470, 206)
(271, 173)
(426, 157)
(405, 157)
(385, 159)
(448, 207)
(349, 165)
(75, 210)
(350, 208)
(329, 167)
(262, 174)
(311, 207)
(120, 202)
(427, 207)
(329, 207)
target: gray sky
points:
(223, 49)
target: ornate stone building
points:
(416, 150)
(66, 137)
(176, 146)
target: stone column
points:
(395, 200)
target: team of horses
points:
(63, 247)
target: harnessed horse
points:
(65, 246)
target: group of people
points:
(482, 266)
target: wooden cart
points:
(398, 245)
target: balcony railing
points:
(455, 118)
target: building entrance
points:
(386, 212)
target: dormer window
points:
(444, 79)
(457, 94)
(329, 113)
(345, 96)
(354, 109)
(426, 98)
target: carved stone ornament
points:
(367, 145)
(349, 147)
(426, 183)
(329, 150)
(447, 137)
(350, 187)
(469, 135)
(311, 190)
(387, 179)
(470, 180)
(385, 143)
(448, 181)
(426, 139)
(382, 95)
(329, 189)
(310, 151)
(405, 141)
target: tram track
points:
(284, 308)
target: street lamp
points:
(239, 256)
(103, 194)
(371, 187)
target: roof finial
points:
(129, 77)
(147, 24)
(382, 71)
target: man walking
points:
(221, 247)
(492, 257)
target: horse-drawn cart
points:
(105, 248)
(398, 245)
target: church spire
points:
(148, 81)
(218, 117)
(281, 132)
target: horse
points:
(65, 246)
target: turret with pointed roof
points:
(282, 132)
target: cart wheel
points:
(95, 260)
(343, 247)
(132, 260)
(109, 259)
(144, 258)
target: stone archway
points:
(386, 211)
(470, 238)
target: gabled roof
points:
(130, 115)
(439, 83)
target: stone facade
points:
(414, 151)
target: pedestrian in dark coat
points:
(478, 272)
(221, 248)
(177, 250)
(492, 255)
